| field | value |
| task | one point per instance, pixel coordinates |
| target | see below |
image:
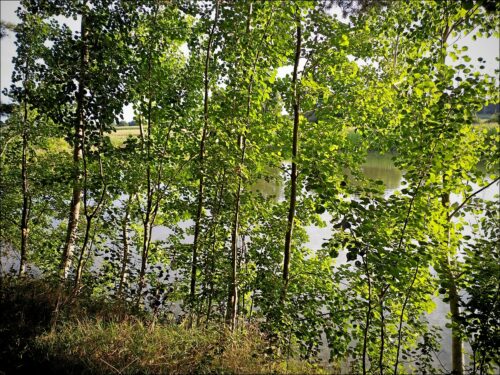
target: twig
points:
(471, 196)
(130, 364)
(110, 365)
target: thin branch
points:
(472, 196)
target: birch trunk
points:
(74, 211)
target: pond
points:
(377, 167)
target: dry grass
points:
(131, 347)
(100, 336)
(244, 353)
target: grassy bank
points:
(100, 336)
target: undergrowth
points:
(101, 336)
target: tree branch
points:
(472, 196)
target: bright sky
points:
(488, 48)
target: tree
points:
(201, 156)
(30, 33)
(295, 150)
(159, 90)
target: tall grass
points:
(132, 347)
(102, 336)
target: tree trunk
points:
(148, 204)
(144, 256)
(210, 261)
(74, 211)
(293, 177)
(368, 315)
(201, 185)
(88, 216)
(125, 248)
(242, 141)
(382, 337)
(457, 361)
(26, 196)
(233, 288)
(457, 357)
(147, 221)
(79, 268)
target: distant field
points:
(122, 133)
(489, 126)
(483, 118)
(117, 138)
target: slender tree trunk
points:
(89, 216)
(149, 206)
(382, 337)
(457, 356)
(295, 151)
(79, 269)
(210, 281)
(147, 222)
(368, 316)
(211, 257)
(401, 318)
(144, 258)
(26, 194)
(481, 363)
(201, 184)
(457, 360)
(74, 211)
(233, 289)
(241, 259)
(210, 268)
(209, 303)
(125, 245)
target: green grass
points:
(103, 336)
(132, 346)
(487, 125)
(487, 119)
(487, 116)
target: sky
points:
(488, 48)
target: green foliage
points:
(213, 121)
(480, 305)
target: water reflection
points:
(272, 188)
(376, 167)
(381, 167)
